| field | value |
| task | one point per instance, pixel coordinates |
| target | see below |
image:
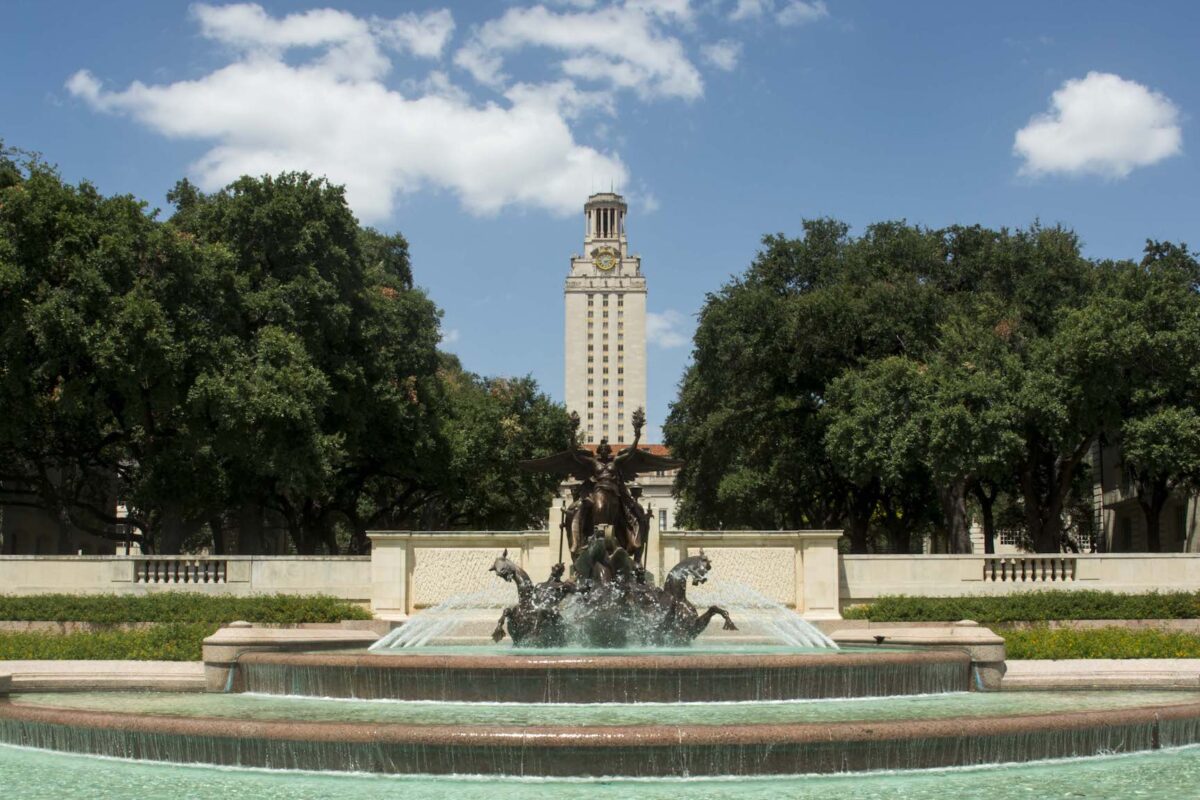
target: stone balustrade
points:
(866, 577)
(410, 571)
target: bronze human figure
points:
(612, 601)
(603, 496)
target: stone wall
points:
(410, 571)
(863, 578)
(343, 577)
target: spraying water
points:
(442, 619)
(755, 611)
(765, 617)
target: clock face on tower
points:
(605, 258)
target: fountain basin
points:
(644, 678)
(582, 751)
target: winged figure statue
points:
(603, 496)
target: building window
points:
(591, 404)
(590, 300)
(662, 519)
(620, 370)
(590, 313)
(605, 301)
(620, 299)
(591, 415)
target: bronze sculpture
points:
(603, 496)
(612, 601)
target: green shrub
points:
(177, 607)
(1031, 607)
(1061, 643)
(159, 643)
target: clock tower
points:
(605, 299)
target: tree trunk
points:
(1045, 480)
(1152, 498)
(250, 530)
(220, 544)
(171, 531)
(858, 512)
(1153, 514)
(954, 513)
(987, 505)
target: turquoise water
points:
(701, 646)
(265, 707)
(36, 775)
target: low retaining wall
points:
(344, 577)
(411, 571)
(863, 578)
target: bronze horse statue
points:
(682, 622)
(535, 617)
(614, 614)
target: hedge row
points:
(177, 607)
(1040, 606)
(1061, 643)
(160, 643)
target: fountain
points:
(607, 673)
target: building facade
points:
(605, 349)
(605, 331)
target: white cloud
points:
(623, 46)
(750, 9)
(792, 12)
(1100, 124)
(723, 55)
(668, 329)
(424, 36)
(332, 115)
(798, 12)
(450, 336)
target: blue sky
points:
(477, 129)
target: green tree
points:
(93, 360)
(747, 420)
(1151, 312)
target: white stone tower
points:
(605, 298)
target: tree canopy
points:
(886, 381)
(256, 361)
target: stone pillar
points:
(654, 547)
(390, 564)
(819, 564)
(5, 684)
